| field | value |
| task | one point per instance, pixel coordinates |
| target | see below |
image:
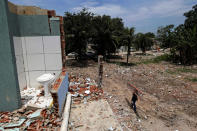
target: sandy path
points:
(93, 116)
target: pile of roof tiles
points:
(84, 89)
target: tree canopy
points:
(182, 40)
(84, 28)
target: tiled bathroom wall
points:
(40, 54)
(19, 62)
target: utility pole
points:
(100, 70)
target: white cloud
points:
(163, 8)
(108, 9)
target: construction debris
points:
(33, 96)
(84, 89)
(169, 101)
(30, 119)
(37, 112)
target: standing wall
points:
(9, 87)
(29, 46)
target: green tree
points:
(143, 41)
(165, 36)
(191, 17)
(107, 32)
(77, 27)
(185, 37)
(128, 39)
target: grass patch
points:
(157, 59)
(181, 70)
(186, 70)
(171, 72)
(192, 79)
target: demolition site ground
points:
(168, 100)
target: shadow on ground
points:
(129, 104)
(79, 63)
(121, 63)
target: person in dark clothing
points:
(134, 99)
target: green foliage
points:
(107, 33)
(84, 27)
(192, 79)
(127, 39)
(181, 70)
(186, 70)
(182, 40)
(191, 17)
(157, 59)
(165, 36)
(78, 31)
(143, 41)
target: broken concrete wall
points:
(9, 87)
(21, 28)
(32, 30)
(26, 10)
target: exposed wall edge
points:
(26, 10)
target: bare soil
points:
(93, 116)
(169, 99)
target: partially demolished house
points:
(31, 44)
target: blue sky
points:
(145, 15)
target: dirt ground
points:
(93, 116)
(168, 101)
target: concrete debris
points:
(35, 97)
(87, 92)
(36, 114)
(111, 129)
(84, 89)
(12, 125)
(39, 119)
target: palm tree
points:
(143, 41)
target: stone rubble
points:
(84, 89)
(37, 113)
(39, 119)
(36, 97)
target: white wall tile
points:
(34, 45)
(27, 78)
(23, 45)
(53, 61)
(36, 62)
(52, 44)
(57, 72)
(17, 45)
(22, 80)
(20, 64)
(33, 75)
(25, 62)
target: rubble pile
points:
(36, 97)
(38, 112)
(84, 89)
(30, 118)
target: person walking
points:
(134, 99)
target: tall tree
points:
(106, 36)
(143, 41)
(77, 27)
(130, 39)
(165, 36)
